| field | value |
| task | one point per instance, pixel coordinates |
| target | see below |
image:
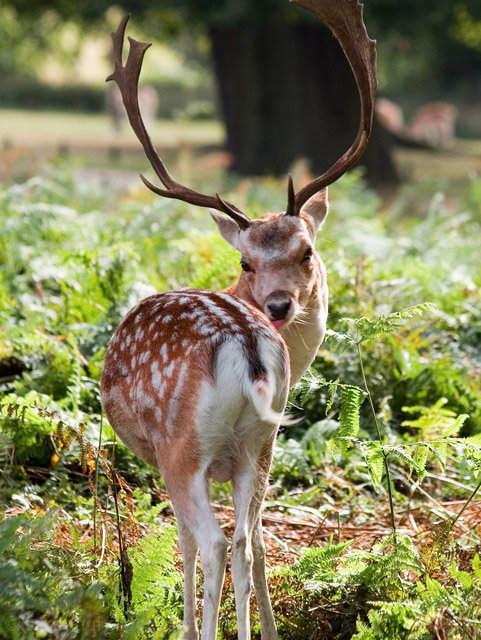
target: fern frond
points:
(373, 455)
(351, 400)
(370, 328)
(331, 394)
(156, 583)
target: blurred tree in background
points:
(285, 88)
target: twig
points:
(280, 542)
(97, 482)
(384, 455)
(460, 512)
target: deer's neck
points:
(303, 336)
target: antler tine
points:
(127, 79)
(291, 198)
(344, 19)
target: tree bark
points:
(287, 92)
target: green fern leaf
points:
(331, 394)
(351, 400)
(373, 455)
(420, 457)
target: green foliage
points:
(68, 273)
(155, 610)
(39, 595)
(371, 328)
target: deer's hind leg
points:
(249, 487)
(199, 530)
(189, 548)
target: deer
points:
(195, 382)
(434, 123)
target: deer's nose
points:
(278, 305)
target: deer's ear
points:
(316, 209)
(228, 228)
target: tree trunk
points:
(287, 92)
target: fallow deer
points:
(433, 123)
(196, 382)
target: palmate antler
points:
(127, 79)
(344, 18)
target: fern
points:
(320, 562)
(303, 390)
(331, 394)
(156, 585)
(371, 328)
(75, 379)
(435, 420)
(373, 455)
(351, 400)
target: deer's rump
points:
(178, 364)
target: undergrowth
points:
(384, 465)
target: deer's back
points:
(188, 369)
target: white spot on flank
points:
(198, 313)
(206, 329)
(167, 318)
(139, 334)
(133, 362)
(156, 378)
(234, 301)
(163, 352)
(170, 368)
(175, 398)
(145, 400)
(144, 356)
(220, 313)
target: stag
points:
(195, 382)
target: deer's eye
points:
(307, 255)
(245, 265)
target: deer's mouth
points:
(280, 308)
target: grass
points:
(47, 130)
(455, 163)
(74, 258)
(90, 140)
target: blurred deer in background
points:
(434, 123)
(389, 114)
(196, 382)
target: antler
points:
(127, 79)
(344, 19)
